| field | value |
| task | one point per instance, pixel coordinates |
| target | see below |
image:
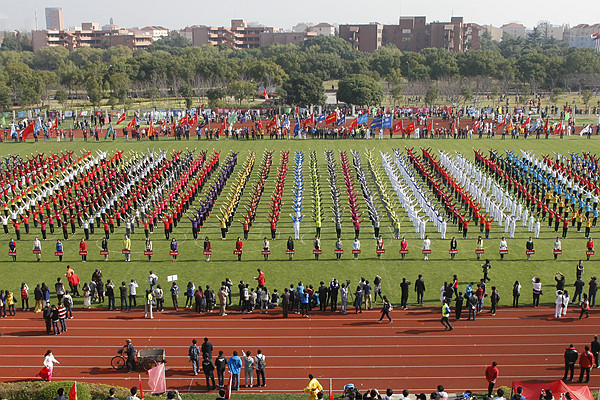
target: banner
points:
(157, 380)
(559, 388)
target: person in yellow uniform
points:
(580, 218)
(127, 246)
(588, 226)
(445, 316)
(313, 388)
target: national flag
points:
(272, 122)
(229, 385)
(202, 107)
(259, 124)
(73, 391)
(527, 121)
(509, 126)
(546, 125)
(297, 127)
(354, 123)
(321, 117)
(243, 119)
(194, 120)
(587, 129)
(430, 126)
(341, 121)
(595, 36)
(132, 123)
(223, 127)
(54, 124)
(151, 128)
(387, 122)
(558, 128)
(141, 388)
(309, 120)
(233, 118)
(410, 128)
(265, 94)
(183, 120)
(376, 122)
(535, 126)
(27, 130)
(363, 119)
(109, 132)
(398, 126)
(331, 118)
(121, 119)
(156, 379)
(297, 110)
(286, 122)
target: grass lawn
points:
(281, 273)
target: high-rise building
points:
(363, 37)
(54, 19)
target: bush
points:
(21, 390)
(99, 391)
(49, 392)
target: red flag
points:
(259, 124)
(430, 126)
(157, 380)
(558, 128)
(546, 126)
(410, 128)
(194, 120)
(397, 127)
(54, 124)
(27, 130)
(121, 119)
(73, 391)
(164, 124)
(222, 128)
(183, 120)
(297, 110)
(151, 129)
(331, 118)
(272, 122)
(354, 123)
(265, 94)
(141, 388)
(228, 390)
(528, 120)
(131, 123)
(202, 107)
(309, 120)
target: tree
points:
(556, 93)
(242, 90)
(119, 84)
(61, 96)
(50, 58)
(466, 93)
(215, 94)
(361, 90)
(5, 97)
(431, 95)
(174, 43)
(303, 90)
(266, 72)
(152, 93)
(69, 75)
(93, 87)
(586, 96)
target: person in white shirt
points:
(426, 246)
(559, 304)
(503, 246)
(356, 246)
(37, 245)
(133, 285)
(46, 372)
(133, 392)
(152, 280)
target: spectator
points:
(248, 368)
(499, 394)
(313, 388)
(571, 357)
(221, 364)
(208, 367)
(235, 366)
(389, 392)
(518, 395)
(586, 361)
(111, 394)
(194, 356)
(491, 374)
(61, 393)
(133, 395)
(261, 364)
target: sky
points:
(176, 14)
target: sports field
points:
(280, 272)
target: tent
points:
(532, 390)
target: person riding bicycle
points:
(129, 351)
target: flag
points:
(321, 118)
(132, 123)
(183, 120)
(509, 126)
(330, 389)
(27, 130)
(243, 119)
(121, 119)
(331, 118)
(156, 379)
(410, 128)
(141, 388)
(363, 119)
(587, 129)
(354, 123)
(558, 128)
(265, 94)
(222, 128)
(398, 127)
(309, 120)
(109, 132)
(229, 385)
(595, 36)
(73, 391)
(430, 126)
(528, 120)
(3, 121)
(297, 110)
(194, 120)
(341, 121)
(259, 124)
(546, 125)
(151, 128)
(54, 124)
(387, 122)
(272, 122)
(233, 118)
(535, 126)
(285, 123)
(376, 122)
(297, 127)
(567, 116)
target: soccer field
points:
(280, 272)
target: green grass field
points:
(279, 271)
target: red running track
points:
(413, 353)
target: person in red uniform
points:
(238, 247)
(491, 374)
(83, 249)
(260, 278)
(586, 360)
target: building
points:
(90, 36)
(549, 31)
(580, 36)
(514, 30)
(367, 38)
(54, 18)
(239, 36)
(267, 38)
(409, 35)
(110, 26)
(323, 29)
(494, 32)
(156, 32)
(187, 32)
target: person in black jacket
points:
(385, 311)
(221, 365)
(453, 246)
(322, 296)
(596, 349)
(420, 289)
(130, 353)
(48, 318)
(459, 305)
(529, 246)
(571, 357)
(208, 367)
(404, 293)
(207, 348)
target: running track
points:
(414, 352)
